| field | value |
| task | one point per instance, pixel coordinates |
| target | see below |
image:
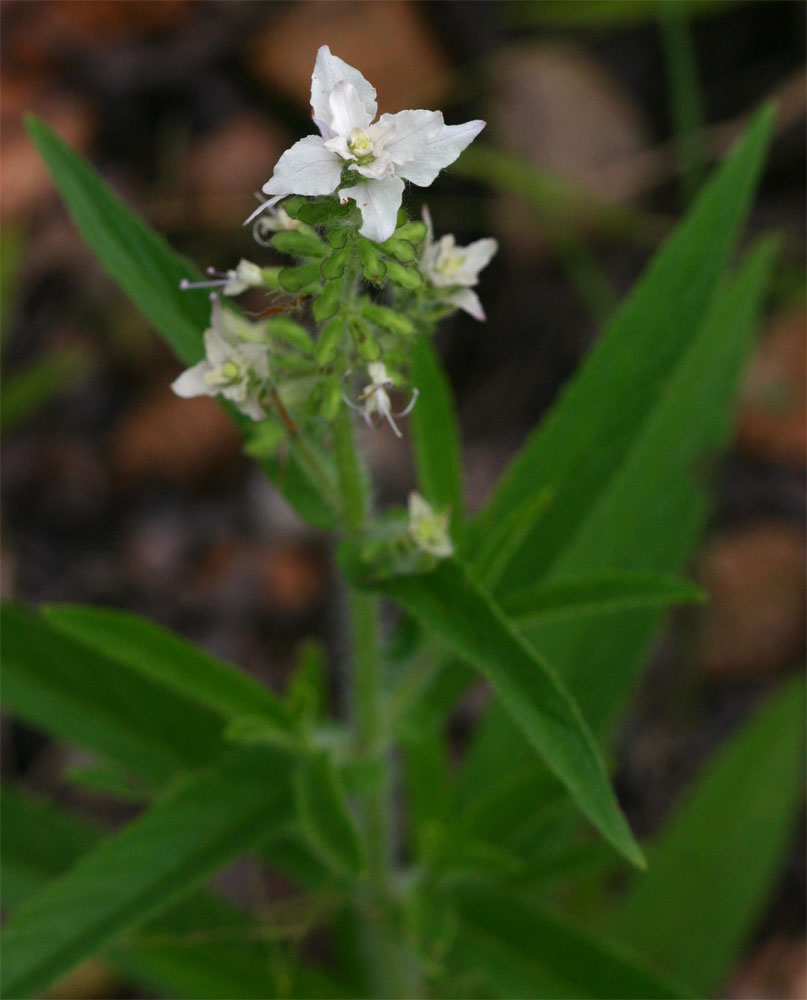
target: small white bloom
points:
(374, 398)
(274, 220)
(235, 367)
(234, 282)
(409, 146)
(456, 268)
(429, 529)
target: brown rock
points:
(773, 417)
(754, 620)
(180, 441)
(224, 168)
(778, 970)
(292, 579)
(389, 42)
(556, 106)
(25, 181)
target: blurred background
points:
(603, 119)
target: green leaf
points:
(168, 659)
(293, 333)
(578, 596)
(325, 816)
(463, 616)
(407, 277)
(436, 435)
(334, 266)
(77, 694)
(647, 522)
(294, 279)
(427, 782)
(388, 319)
(326, 304)
(649, 518)
(142, 263)
(108, 778)
(38, 842)
(299, 244)
(209, 819)
(714, 864)
(401, 249)
(590, 433)
(522, 950)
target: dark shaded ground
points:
(118, 493)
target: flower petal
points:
(378, 202)
(192, 383)
(410, 133)
(477, 257)
(468, 301)
(328, 71)
(307, 168)
(442, 148)
(347, 110)
(427, 218)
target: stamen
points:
(258, 230)
(411, 404)
(186, 285)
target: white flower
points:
(428, 529)
(456, 268)
(275, 220)
(374, 398)
(409, 146)
(246, 275)
(236, 366)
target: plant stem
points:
(366, 668)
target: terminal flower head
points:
(456, 268)
(236, 365)
(428, 528)
(408, 146)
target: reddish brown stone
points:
(181, 441)
(388, 41)
(773, 418)
(754, 620)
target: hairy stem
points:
(366, 673)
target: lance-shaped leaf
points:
(595, 593)
(522, 950)
(77, 694)
(324, 814)
(458, 612)
(209, 818)
(713, 866)
(150, 272)
(168, 659)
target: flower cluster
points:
(341, 220)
